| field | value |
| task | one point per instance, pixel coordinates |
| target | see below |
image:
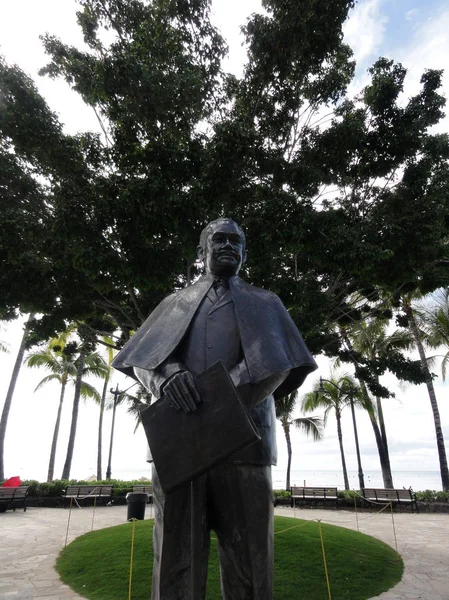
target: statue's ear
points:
(244, 257)
(200, 253)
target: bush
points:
(351, 494)
(432, 496)
(281, 494)
(55, 488)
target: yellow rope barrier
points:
(131, 560)
(93, 514)
(356, 515)
(68, 522)
(324, 560)
(394, 528)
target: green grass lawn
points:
(96, 564)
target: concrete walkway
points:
(30, 542)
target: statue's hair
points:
(206, 231)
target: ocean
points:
(417, 480)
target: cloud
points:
(411, 14)
(428, 49)
(364, 30)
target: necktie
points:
(220, 286)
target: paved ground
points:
(31, 541)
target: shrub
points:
(281, 494)
(432, 496)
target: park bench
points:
(10, 497)
(86, 492)
(311, 494)
(145, 489)
(385, 496)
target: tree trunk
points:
(10, 394)
(379, 429)
(108, 470)
(286, 427)
(51, 462)
(385, 456)
(381, 441)
(342, 452)
(384, 459)
(100, 428)
(76, 402)
(433, 399)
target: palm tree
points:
(420, 338)
(434, 322)
(58, 357)
(10, 394)
(371, 340)
(107, 377)
(309, 425)
(336, 397)
(87, 364)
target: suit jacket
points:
(270, 340)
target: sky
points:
(414, 33)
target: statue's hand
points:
(182, 391)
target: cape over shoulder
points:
(270, 340)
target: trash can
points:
(136, 505)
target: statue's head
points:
(222, 247)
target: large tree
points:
(184, 142)
(10, 393)
(312, 426)
(60, 357)
(411, 319)
(335, 395)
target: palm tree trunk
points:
(384, 458)
(433, 399)
(342, 452)
(100, 427)
(111, 441)
(51, 462)
(381, 440)
(10, 394)
(286, 427)
(76, 402)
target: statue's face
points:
(224, 253)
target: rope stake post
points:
(324, 560)
(394, 528)
(131, 559)
(356, 515)
(93, 514)
(68, 522)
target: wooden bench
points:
(84, 492)
(385, 496)
(145, 489)
(310, 494)
(12, 496)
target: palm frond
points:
(45, 380)
(312, 426)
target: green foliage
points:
(55, 488)
(432, 496)
(281, 494)
(350, 494)
(184, 142)
(359, 566)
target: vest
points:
(213, 335)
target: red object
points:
(12, 482)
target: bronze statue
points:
(248, 328)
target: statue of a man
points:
(248, 328)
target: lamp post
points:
(350, 394)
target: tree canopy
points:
(340, 197)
